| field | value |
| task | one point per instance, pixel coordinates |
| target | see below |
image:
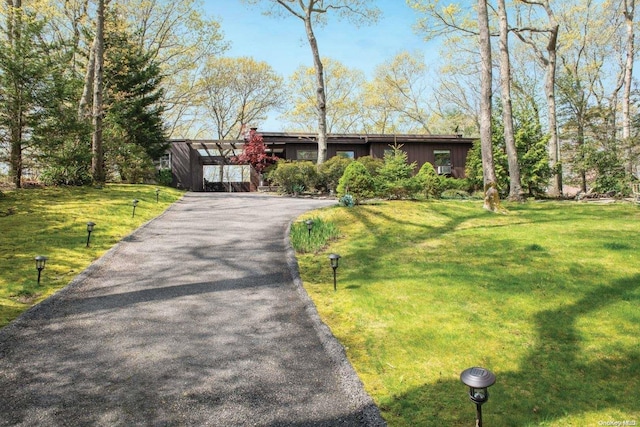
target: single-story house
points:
(204, 165)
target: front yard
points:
(547, 297)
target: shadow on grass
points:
(554, 379)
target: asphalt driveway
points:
(196, 319)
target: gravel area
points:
(196, 319)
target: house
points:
(205, 165)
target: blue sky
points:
(282, 42)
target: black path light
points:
(478, 379)
(157, 195)
(90, 226)
(134, 203)
(309, 223)
(41, 260)
(334, 264)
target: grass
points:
(53, 222)
(304, 240)
(545, 296)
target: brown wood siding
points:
(421, 153)
(181, 168)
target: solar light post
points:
(309, 226)
(40, 263)
(134, 203)
(157, 195)
(334, 264)
(90, 226)
(478, 379)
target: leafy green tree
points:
(63, 151)
(23, 82)
(395, 178)
(531, 145)
(343, 88)
(533, 155)
(236, 92)
(133, 99)
(397, 99)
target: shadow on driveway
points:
(195, 319)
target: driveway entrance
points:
(193, 320)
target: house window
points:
(311, 155)
(346, 154)
(164, 162)
(442, 161)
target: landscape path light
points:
(157, 195)
(309, 223)
(134, 203)
(90, 226)
(41, 260)
(334, 264)
(478, 380)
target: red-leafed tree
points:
(254, 153)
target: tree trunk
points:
(97, 160)
(629, 6)
(491, 200)
(83, 105)
(14, 33)
(555, 187)
(515, 188)
(320, 91)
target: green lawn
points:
(53, 222)
(546, 296)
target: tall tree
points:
(181, 39)
(23, 82)
(398, 98)
(312, 12)
(515, 188)
(629, 10)
(134, 129)
(492, 198)
(457, 89)
(235, 92)
(97, 150)
(343, 88)
(547, 57)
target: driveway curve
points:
(195, 319)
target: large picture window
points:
(346, 154)
(311, 155)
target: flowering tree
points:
(254, 152)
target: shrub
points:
(357, 182)
(164, 177)
(449, 183)
(430, 183)
(330, 172)
(395, 178)
(372, 164)
(294, 176)
(66, 175)
(347, 201)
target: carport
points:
(206, 165)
